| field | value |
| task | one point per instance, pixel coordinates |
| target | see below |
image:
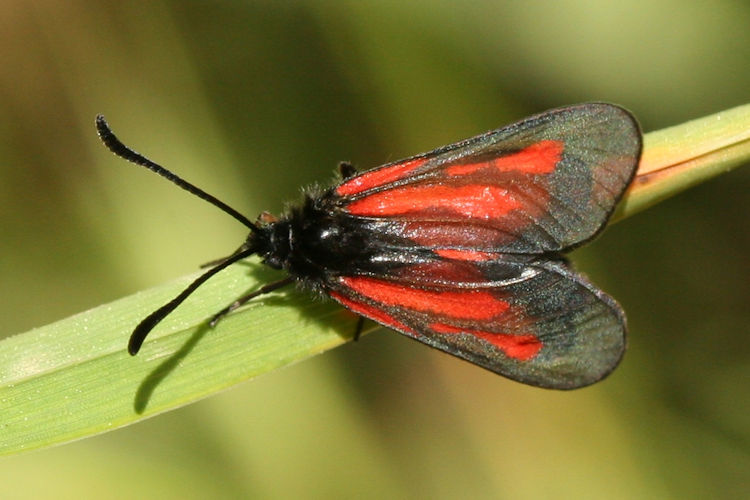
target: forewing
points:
(545, 184)
(538, 323)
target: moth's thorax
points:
(317, 241)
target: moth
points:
(461, 248)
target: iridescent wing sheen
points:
(545, 184)
(536, 322)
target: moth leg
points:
(358, 329)
(270, 287)
(347, 170)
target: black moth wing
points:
(556, 176)
(538, 323)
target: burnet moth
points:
(461, 248)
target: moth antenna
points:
(117, 147)
(150, 321)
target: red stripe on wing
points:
(520, 347)
(441, 271)
(474, 201)
(378, 177)
(539, 158)
(470, 255)
(470, 304)
(371, 312)
(461, 233)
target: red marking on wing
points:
(471, 255)
(371, 312)
(474, 201)
(471, 304)
(520, 347)
(441, 270)
(539, 158)
(437, 234)
(378, 177)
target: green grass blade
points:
(74, 378)
(679, 157)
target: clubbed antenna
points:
(150, 321)
(113, 144)
(142, 330)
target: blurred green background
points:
(252, 100)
